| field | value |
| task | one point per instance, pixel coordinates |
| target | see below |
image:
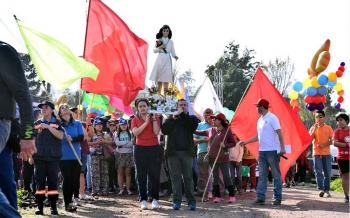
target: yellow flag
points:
(55, 62)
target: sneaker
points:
(176, 206)
(184, 199)
(346, 199)
(192, 206)
(288, 185)
(121, 192)
(144, 205)
(70, 208)
(171, 198)
(321, 193)
(210, 195)
(276, 202)
(231, 199)
(252, 190)
(259, 202)
(129, 192)
(302, 183)
(76, 202)
(111, 191)
(217, 200)
(327, 194)
(88, 191)
(240, 192)
(83, 197)
(294, 183)
(155, 205)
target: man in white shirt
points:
(270, 149)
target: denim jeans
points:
(88, 171)
(323, 164)
(269, 159)
(8, 194)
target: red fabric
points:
(340, 135)
(245, 120)
(117, 52)
(118, 104)
(147, 136)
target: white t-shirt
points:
(268, 138)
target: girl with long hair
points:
(147, 152)
(69, 165)
(124, 157)
(162, 70)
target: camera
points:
(151, 114)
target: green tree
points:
(280, 72)
(237, 71)
(36, 88)
(187, 78)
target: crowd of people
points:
(154, 154)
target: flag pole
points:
(87, 19)
(92, 100)
(250, 83)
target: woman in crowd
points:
(112, 171)
(220, 136)
(99, 166)
(49, 145)
(236, 154)
(147, 153)
(123, 155)
(341, 139)
(69, 165)
(162, 70)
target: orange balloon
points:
(339, 73)
(341, 93)
(293, 103)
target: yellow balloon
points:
(293, 95)
(80, 107)
(89, 106)
(56, 108)
(106, 113)
(97, 108)
(306, 83)
(338, 87)
(332, 76)
(314, 82)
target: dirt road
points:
(298, 202)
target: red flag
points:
(117, 52)
(244, 122)
(118, 104)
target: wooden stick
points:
(71, 145)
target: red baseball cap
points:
(263, 102)
(221, 116)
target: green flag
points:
(55, 62)
(98, 101)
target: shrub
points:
(336, 185)
(20, 194)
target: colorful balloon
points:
(294, 103)
(341, 68)
(317, 99)
(298, 86)
(323, 98)
(331, 84)
(308, 99)
(339, 73)
(293, 95)
(322, 80)
(320, 107)
(314, 82)
(311, 107)
(306, 83)
(245, 170)
(322, 90)
(312, 91)
(338, 105)
(85, 105)
(296, 109)
(332, 76)
(341, 99)
(338, 87)
(341, 93)
(80, 107)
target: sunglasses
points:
(319, 116)
(64, 107)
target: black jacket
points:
(170, 127)
(14, 87)
(49, 147)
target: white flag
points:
(207, 98)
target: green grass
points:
(20, 194)
(336, 185)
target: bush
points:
(336, 185)
(20, 194)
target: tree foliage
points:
(237, 71)
(280, 72)
(35, 86)
(188, 79)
